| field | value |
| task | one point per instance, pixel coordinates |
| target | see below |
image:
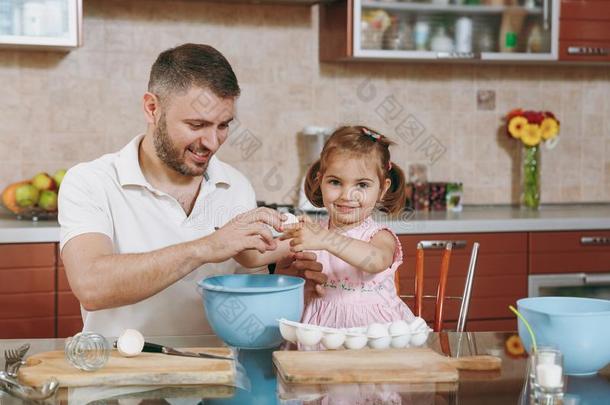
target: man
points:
(138, 226)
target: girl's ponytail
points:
(394, 199)
(312, 185)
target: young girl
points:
(352, 178)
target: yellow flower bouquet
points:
(532, 128)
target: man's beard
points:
(169, 154)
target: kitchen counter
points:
(494, 218)
(503, 218)
(21, 231)
(500, 387)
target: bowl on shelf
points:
(578, 327)
(29, 214)
(243, 309)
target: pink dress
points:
(354, 297)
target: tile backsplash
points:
(58, 109)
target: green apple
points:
(42, 181)
(48, 200)
(59, 176)
(26, 195)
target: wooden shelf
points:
(449, 8)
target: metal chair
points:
(440, 296)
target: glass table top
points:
(257, 382)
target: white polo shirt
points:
(110, 195)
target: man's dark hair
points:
(178, 69)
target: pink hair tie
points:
(389, 165)
(371, 133)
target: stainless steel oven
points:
(590, 285)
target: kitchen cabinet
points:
(569, 252)
(500, 278)
(491, 31)
(41, 24)
(27, 290)
(35, 298)
(69, 320)
(584, 34)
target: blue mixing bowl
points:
(243, 309)
(579, 327)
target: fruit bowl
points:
(29, 214)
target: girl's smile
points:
(350, 189)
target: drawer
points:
(588, 30)
(569, 252)
(69, 326)
(585, 10)
(27, 328)
(27, 280)
(27, 255)
(32, 305)
(67, 304)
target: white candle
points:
(549, 375)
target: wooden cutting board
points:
(411, 365)
(144, 369)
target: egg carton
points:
(398, 334)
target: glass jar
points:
(87, 351)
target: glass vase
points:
(530, 198)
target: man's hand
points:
(304, 264)
(247, 231)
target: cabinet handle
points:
(588, 50)
(458, 55)
(594, 240)
(441, 244)
(545, 15)
(593, 279)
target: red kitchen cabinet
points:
(69, 321)
(584, 31)
(500, 278)
(27, 290)
(569, 252)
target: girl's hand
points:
(306, 235)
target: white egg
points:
(309, 335)
(290, 219)
(355, 341)
(376, 330)
(418, 324)
(399, 328)
(400, 341)
(130, 343)
(419, 338)
(333, 340)
(289, 332)
(382, 342)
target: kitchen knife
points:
(155, 348)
